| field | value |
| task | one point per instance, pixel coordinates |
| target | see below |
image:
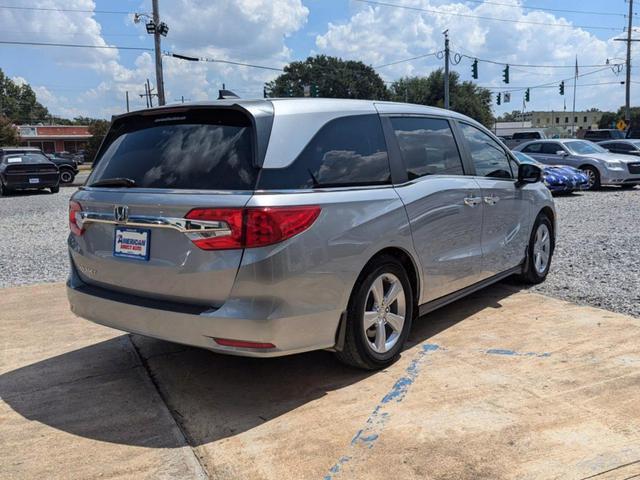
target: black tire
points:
(356, 350)
(592, 172)
(3, 190)
(66, 176)
(55, 189)
(531, 274)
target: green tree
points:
(98, 129)
(466, 97)
(19, 103)
(606, 120)
(8, 133)
(333, 77)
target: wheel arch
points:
(407, 261)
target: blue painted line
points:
(500, 351)
(368, 436)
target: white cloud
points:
(250, 31)
(379, 35)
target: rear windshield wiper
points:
(114, 182)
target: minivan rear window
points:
(203, 150)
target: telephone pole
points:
(446, 69)
(156, 41)
(628, 40)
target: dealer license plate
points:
(132, 243)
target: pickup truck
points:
(521, 137)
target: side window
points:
(488, 156)
(533, 148)
(427, 146)
(623, 147)
(347, 151)
(551, 148)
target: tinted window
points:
(427, 146)
(526, 135)
(26, 157)
(533, 148)
(488, 156)
(622, 147)
(347, 151)
(209, 150)
(551, 148)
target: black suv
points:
(68, 167)
(24, 168)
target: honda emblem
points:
(121, 213)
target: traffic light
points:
(527, 95)
(562, 87)
(474, 69)
(499, 99)
(315, 91)
(290, 90)
(505, 74)
(264, 92)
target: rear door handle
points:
(472, 201)
(491, 199)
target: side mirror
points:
(528, 173)
(562, 153)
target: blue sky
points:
(92, 82)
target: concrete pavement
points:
(502, 385)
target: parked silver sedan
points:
(601, 166)
(271, 227)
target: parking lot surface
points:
(501, 385)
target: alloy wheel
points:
(384, 313)
(591, 177)
(541, 248)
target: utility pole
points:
(627, 103)
(156, 41)
(446, 69)
(149, 93)
(573, 121)
(127, 96)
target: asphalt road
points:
(596, 259)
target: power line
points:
(76, 10)
(75, 45)
(528, 65)
(548, 84)
(466, 15)
(432, 54)
(216, 60)
(555, 85)
(546, 9)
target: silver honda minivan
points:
(271, 227)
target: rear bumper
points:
(22, 184)
(198, 326)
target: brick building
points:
(54, 138)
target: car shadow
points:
(102, 391)
(25, 193)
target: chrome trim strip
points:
(196, 228)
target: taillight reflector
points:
(227, 342)
(254, 226)
(75, 224)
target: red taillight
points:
(231, 216)
(269, 225)
(253, 227)
(75, 223)
(226, 342)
